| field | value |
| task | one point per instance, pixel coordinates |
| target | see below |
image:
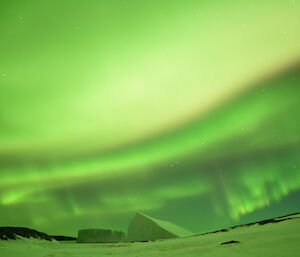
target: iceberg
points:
(97, 235)
(146, 228)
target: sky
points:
(184, 110)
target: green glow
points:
(112, 107)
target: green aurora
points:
(184, 110)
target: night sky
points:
(186, 110)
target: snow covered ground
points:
(280, 239)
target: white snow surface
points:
(270, 240)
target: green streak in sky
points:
(244, 118)
(112, 107)
(239, 121)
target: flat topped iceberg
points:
(99, 236)
(145, 228)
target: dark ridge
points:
(273, 220)
(230, 242)
(63, 238)
(221, 230)
(14, 233)
(261, 222)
